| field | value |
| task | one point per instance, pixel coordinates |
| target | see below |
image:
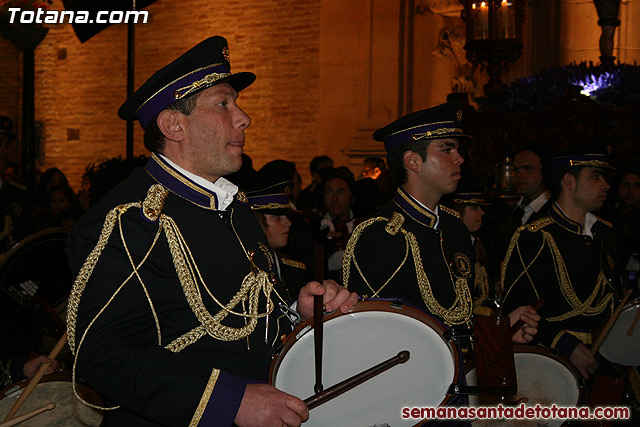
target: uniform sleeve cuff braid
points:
(222, 403)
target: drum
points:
(618, 347)
(56, 387)
(37, 265)
(372, 332)
(544, 377)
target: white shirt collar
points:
(225, 190)
(535, 206)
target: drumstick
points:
(36, 378)
(17, 420)
(318, 309)
(346, 385)
(516, 326)
(633, 324)
(610, 322)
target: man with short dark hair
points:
(568, 258)
(415, 248)
(527, 167)
(177, 307)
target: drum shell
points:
(66, 403)
(367, 308)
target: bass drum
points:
(372, 332)
(545, 377)
(57, 388)
(38, 266)
(619, 347)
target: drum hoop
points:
(83, 389)
(8, 259)
(372, 306)
(557, 356)
(35, 236)
(631, 304)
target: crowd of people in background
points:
(338, 199)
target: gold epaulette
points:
(605, 222)
(394, 224)
(450, 211)
(537, 225)
(293, 263)
(154, 202)
(242, 197)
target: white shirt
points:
(589, 220)
(223, 188)
(535, 205)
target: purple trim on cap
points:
(224, 401)
(586, 160)
(471, 199)
(179, 184)
(413, 209)
(166, 96)
(446, 129)
(279, 201)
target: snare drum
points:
(618, 347)
(56, 387)
(372, 332)
(544, 377)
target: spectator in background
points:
(6, 136)
(12, 171)
(625, 216)
(309, 198)
(50, 178)
(84, 195)
(59, 198)
(373, 168)
(337, 223)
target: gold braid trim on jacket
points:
(254, 283)
(462, 308)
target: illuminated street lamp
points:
(494, 36)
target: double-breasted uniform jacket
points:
(167, 316)
(576, 274)
(409, 252)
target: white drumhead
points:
(69, 411)
(620, 348)
(357, 341)
(541, 380)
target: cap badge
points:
(459, 115)
(225, 53)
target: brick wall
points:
(79, 87)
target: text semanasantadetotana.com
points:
(521, 412)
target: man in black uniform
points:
(415, 248)
(175, 308)
(569, 258)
